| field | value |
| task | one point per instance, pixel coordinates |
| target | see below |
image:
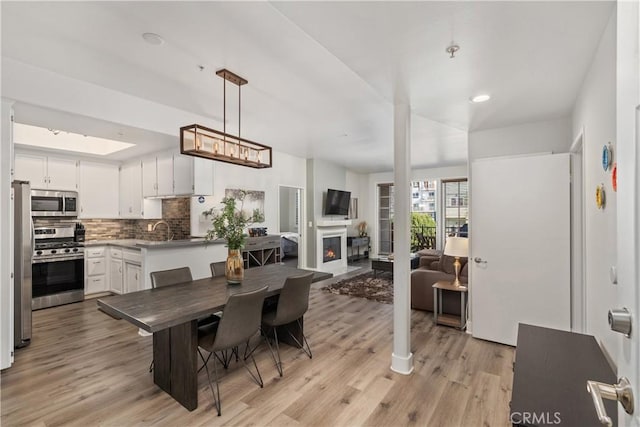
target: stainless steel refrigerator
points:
(23, 242)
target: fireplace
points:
(331, 249)
(331, 246)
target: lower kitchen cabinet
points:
(132, 274)
(112, 269)
(116, 270)
(95, 270)
(132, 277)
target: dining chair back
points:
(218, 268)
(293, 303)
(170, 277)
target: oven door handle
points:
(33, 236)
(58, 259)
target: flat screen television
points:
(337, 202)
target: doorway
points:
(290, 220)
(578, 288)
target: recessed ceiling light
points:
(153, 38)
(480, 98)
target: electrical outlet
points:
(149, 227)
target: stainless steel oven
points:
(57, 269)
(54, 203)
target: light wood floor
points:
(85, 368)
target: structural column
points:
(401, 358)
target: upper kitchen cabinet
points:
(99, 186)
(132, 205)
(46, 172)
(173, 174)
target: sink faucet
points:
(169, 235)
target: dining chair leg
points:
(276, 354)
(204, 362)
(151, 366)
(304, 343)
(249, 354)
(216, 398)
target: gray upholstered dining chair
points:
(218, 268)
(239, 323)
(293, 303)
(176, 276)
(170, 277)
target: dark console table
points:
(262, 250)
(550, 378)
(354, 244)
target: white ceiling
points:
(322, 75)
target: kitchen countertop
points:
(152, 244)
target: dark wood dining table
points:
(171, 313)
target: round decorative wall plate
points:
(600, 196)
(607, 156)
(614, 177)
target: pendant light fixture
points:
(197, 140)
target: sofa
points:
(434, 268)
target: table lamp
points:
(457, 247)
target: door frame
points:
(302, 219)
(578, 236)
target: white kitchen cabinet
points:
(157, 175)
(131, 190)
(132, 203)
(132, 277)
(99, 186)
(116, 271)
(63, 174)
(116, 276)
(182, 174)
(46, 172)
(176, 175)
(132, 264)
(95, 270)
(149, 177)
(165, 174)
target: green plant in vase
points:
(229, 223)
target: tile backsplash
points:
(175, 211)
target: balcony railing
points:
(424, 237)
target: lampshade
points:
(457, 246)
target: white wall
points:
(287, 170)
(539, 137)
(6, 244)
(595, 112)
(357, 184)
(321, 175)
(370, 208)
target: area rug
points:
(365, 285)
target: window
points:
(385, 217)
(457, 201)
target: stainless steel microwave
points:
(54, 203)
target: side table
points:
(447, 319)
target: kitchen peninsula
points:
(123, 265)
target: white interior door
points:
(520, 245)
(628, 256)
